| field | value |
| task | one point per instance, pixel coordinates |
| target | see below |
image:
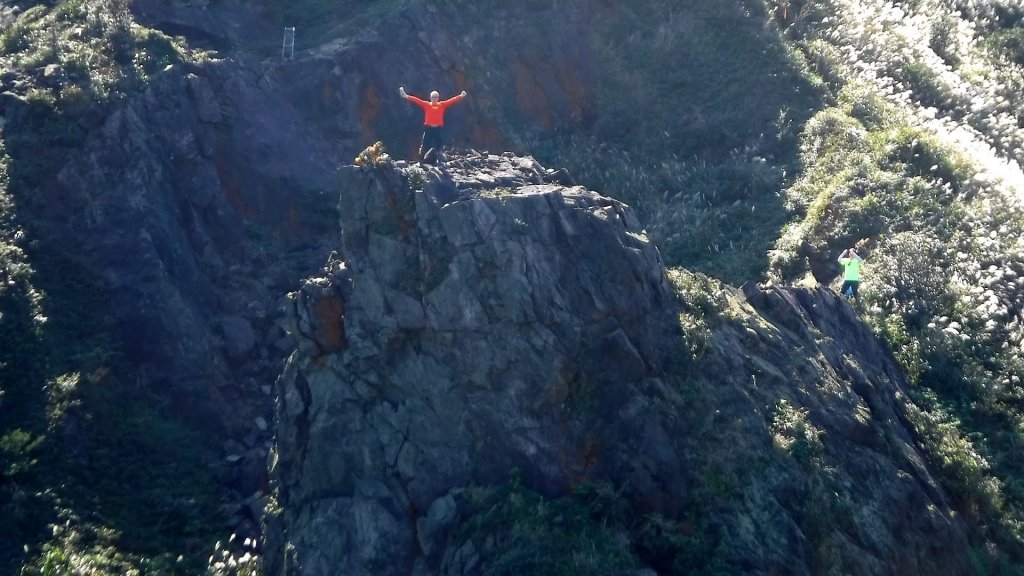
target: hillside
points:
(495, 352)
(919, 160)
(166, 179)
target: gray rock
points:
(470, 334)
(239, 336)
(8, 14)
(464, 562)
(285, 343)
(256, 504)
(252, 474)
(407, 311)
(53, 73)
(432, 529)
(479, 330)
(11, 105)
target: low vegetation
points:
(98, 474)
(895, 125)
(593, 530)
(915, 160)
(679, 137)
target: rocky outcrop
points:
(179, 216)
(812, 413)
(476, 324)
(477, 321)
(158, 207)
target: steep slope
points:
(149, 231)
(917, 159)
(165, 176)
(481, 326)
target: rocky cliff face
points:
(473, 323)
(479, 321)
(476, 323)
(179, 216)
(180, 209)
(345, 81)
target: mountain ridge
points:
(448, 346)
(165, 178)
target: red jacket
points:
(433, 114)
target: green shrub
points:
(910, 277)
(905, 347)
(793, 432)
(929, 88)
(18, 453)
(1007, 44)
(15, 39)
(943, 39)
(521, 532)
(966, 471)
(155, 51)
(675, 547)
(70, 10)
(18, 37)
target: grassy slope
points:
(127, 486)
(679, 136)
(909, 161)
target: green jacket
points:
(852, 267)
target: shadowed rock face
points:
(485, 329)
(160, 204)
(865, 501)
(481, 320)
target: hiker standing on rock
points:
(850, 261)
(433, 121)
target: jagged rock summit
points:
(480, 322)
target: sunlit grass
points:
(919, 160)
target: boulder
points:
(239, 336)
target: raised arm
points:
(843, 255)
(453, 99)
(417, 101)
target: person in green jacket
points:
(850, 261)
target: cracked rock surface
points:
(476, 321)
(490, 320)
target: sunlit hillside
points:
(918, 161)
(167, 178)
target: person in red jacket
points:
(433, 119)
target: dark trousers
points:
(432, 138)
(851, 287)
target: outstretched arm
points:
(454, 99)
(413, 99)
